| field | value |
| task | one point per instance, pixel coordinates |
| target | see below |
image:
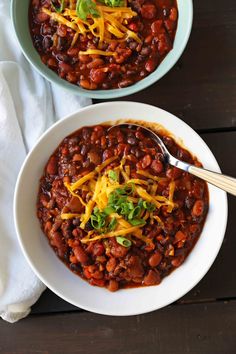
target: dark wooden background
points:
(200, 89)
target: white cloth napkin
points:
(28, 106)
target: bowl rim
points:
(42, 276)
(149, 80)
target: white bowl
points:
(71, 287)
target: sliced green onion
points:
(113, 3)
(134, 212)
(136, 222)
(129, 188)
(109, 210)
(112, 224)
(85, 8)
(59, 9)
(98, 219)
(146, 205)
(123, 241)
(113, 175)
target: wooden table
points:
(200, 89)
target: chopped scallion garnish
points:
(123, 241)
(113, 175)
(85, 8)
(60, 8)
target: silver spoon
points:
(219, 180)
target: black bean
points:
(132, 140)
(145, 51)
(47, 43)
(76, 222)
(189, 201)
(133, 45)
(75, 267)
(62, 44)
(62, 57)
(84, 150)
(139, 153)
(86, 133)
(125, 83)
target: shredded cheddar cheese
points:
(100, 183)
(110, 25)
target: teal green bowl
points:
(19, 14)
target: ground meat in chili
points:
(155, 24)
(105, 262)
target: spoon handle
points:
(224, 182)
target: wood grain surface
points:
(207, 328)
(200, 89)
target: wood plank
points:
(220, 280)
(195, 329)
(201, 88)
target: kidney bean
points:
(48, 227)
(164, 44)
(145, 162)
(71, 77)
(117, 250)
(62, 30)
(95, 63)
(111, 264)
(113, 285)
(98, 249)
(170, 25)
(86, 272)
(157, 27)
(97, 75)
(148, 39)
(84, 58)
(173, 172)
(151, 65)
(88, 85)
(173, 14)
(75, 205)
(157, 166)
(148, 11)
(133, 26)
(56, 241)
(177, 261)
(42, 17)
(198, 208)
(65, 67)
(152, 278)
(72, 52)
(107, 154)
(155, 259)
(80, 254)
(94, 157)
(95, 273)
(179, 236)
(52, 166)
